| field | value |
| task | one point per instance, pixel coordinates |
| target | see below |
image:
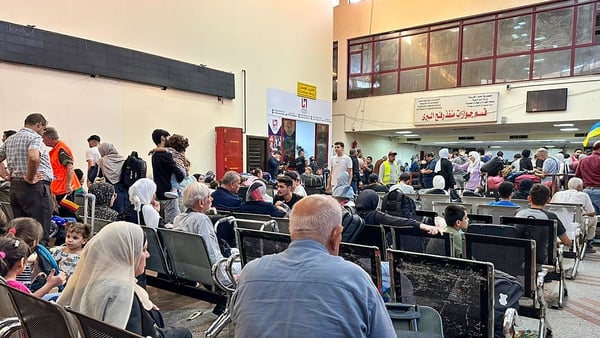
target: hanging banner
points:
(456, 109)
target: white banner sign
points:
(457, 109)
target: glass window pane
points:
(552, 64)
(359, 86)
(334, 83)
(386, 83)
(367, 58)
(514, 35)
(386, 55)
(514, 68)
(478, 40)
(585, 23)
(587, 61)
(476, 73)
(442, 77)
(554, 29)
(412, 80)
(355, 48)
(414, 50)
(355, 62)
(444, 46)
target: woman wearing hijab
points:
(438, 186)
(366, 207)
(444, 168)
(342, 188)
(143, 210)
(103, 285)
(105, 197)
(473, 176)
(258, 202)
(523, 191)
(110, 164)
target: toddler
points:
(13, 259)
(176, 146)
(67, 256)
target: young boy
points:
(457, 222)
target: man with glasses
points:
(225, 197)
(29, 172)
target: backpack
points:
(507, 292)
(396, 203)
(352, 223)
(133, 169)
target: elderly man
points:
(61, 159)
(550, 166)
(576, 195)
(29, 171)
(225, 197)
(309, 289)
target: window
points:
(555, 40)
(334, 70)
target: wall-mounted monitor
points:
(546, 100)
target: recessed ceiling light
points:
(411, 135)
(495, 147)
(569, 129)
(403, 132)
(564, 125)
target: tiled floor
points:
(580, 318)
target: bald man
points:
(307, 290)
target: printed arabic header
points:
(456, 109)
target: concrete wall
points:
(277, 44)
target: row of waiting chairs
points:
(24, 315)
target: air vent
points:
(413, 139)
(518, 137)
(581, 135)
(461, 138)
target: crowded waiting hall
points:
(372, 169)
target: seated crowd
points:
(98, 271)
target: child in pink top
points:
(13, 259)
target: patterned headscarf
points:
(103, 193)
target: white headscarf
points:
(111, 162)
(443, 153)
(141, 193)
(103, 283)
(475, 164)
(439, 182)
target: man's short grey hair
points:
(193, 193)
(51, 133)
(315, 217)
(229, 177)
(574, 182)
(542, 151)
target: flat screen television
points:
(546, 100)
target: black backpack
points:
(133, 169)
(352, 223)
(507, 292)
(397, 204)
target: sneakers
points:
(171, 194)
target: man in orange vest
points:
(65, 182)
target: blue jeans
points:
(595, 197)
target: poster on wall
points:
(284, 113)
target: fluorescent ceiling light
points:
(564, 125)
(495, 147)
(403, 132)
(569, 129)
(411, 135)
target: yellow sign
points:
(306, 90)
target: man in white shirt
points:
(576, 195)
(338, 164)
(91, 157)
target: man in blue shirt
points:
(307, 290)
(225, 197)
(505, 190)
